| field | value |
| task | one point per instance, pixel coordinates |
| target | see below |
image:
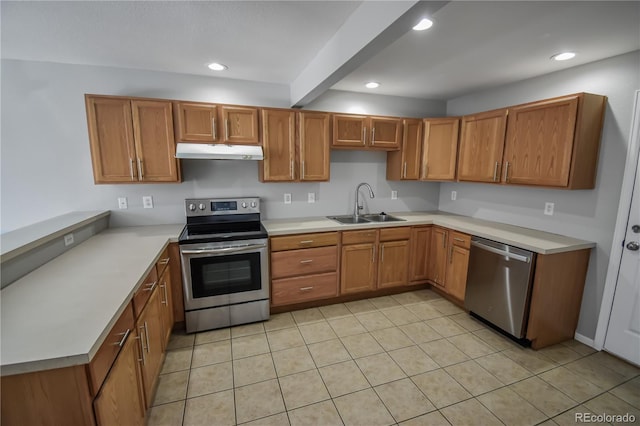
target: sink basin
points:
(382, 218)
(349, 219)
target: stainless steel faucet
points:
(357, 207)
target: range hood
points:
(218, 151)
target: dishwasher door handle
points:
(509, 255)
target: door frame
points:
(624, 208)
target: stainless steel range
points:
(225, 264)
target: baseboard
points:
(585, 340)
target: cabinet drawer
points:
(304, 241)
(304, 262)
(461, 240)
(163, 261)
(394, 234)
(302, 289)
(143, 293)
(106, 355)
(359, 237)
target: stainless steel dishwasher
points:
(499, 284)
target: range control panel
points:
(221, 206)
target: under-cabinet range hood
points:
(218, 151)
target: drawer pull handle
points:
(151, 286)
(163, 261)
(458, 239)
(306, 288)
(124, 337)
(306, 241)
(306, 261)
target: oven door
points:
(219, 274)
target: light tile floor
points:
(408, 359)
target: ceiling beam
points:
(373, 26)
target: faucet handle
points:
(360, 207)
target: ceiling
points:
(313, 46)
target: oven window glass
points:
(214, 276)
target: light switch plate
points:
(394, 195)
(122, 203)
(311, 197)
(287, 198)
(68, 240)
(147, 202)
(454, 195)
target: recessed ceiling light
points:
(424, 24)
(217, 67)
(372, 85)
(563, 56)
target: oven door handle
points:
(225, 250)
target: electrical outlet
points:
(311, 197)
(454, 195)
(122, 203)
(548, 208)
(68, 240)
(287, 198)
(394, 195)
(147, 202)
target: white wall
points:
(46, 164)
(585, 214)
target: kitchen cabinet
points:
(366, 132)
(554, 142)
(405, 163)
(121, 399)
(151, 335)
(166, 305)
(304, 268)
(457, 265)
(393, 257)
(214, 123)
(420, 242)
(481, 146)
(358, 261)
(440, 149)
(438, 255)
(131, 140)
(177, 295)
(291, 156)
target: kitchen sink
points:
(365, 218)
(349, 219)
(382, 217)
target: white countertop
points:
(14, 243)
(59, 314)
(529, 239)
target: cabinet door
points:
(358, 268)
(393, 266)
(385, 132)
(456, 277)
(166, 305)
(121, 400)
(419, 259)
(196, 122)
(314, 142)
(240, 125)
(440, 149)
(349, 131)
(540, 142)
(481, 146)
(111, 137)
(438, 255)
(405, 164)
(155, 145)
(151, 336)
(278, 131)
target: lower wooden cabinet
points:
(166, 305)
(458, 264)
(305, 288)
(419, 255)
(358, 271)
(121, 399)
(151, 333)
(438, 255)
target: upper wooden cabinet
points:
(131, 140)
(405, 163)
(440, 148)
(365, 132)
(212, 123)
(481, 146)
(294, 156)
(554, 142)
